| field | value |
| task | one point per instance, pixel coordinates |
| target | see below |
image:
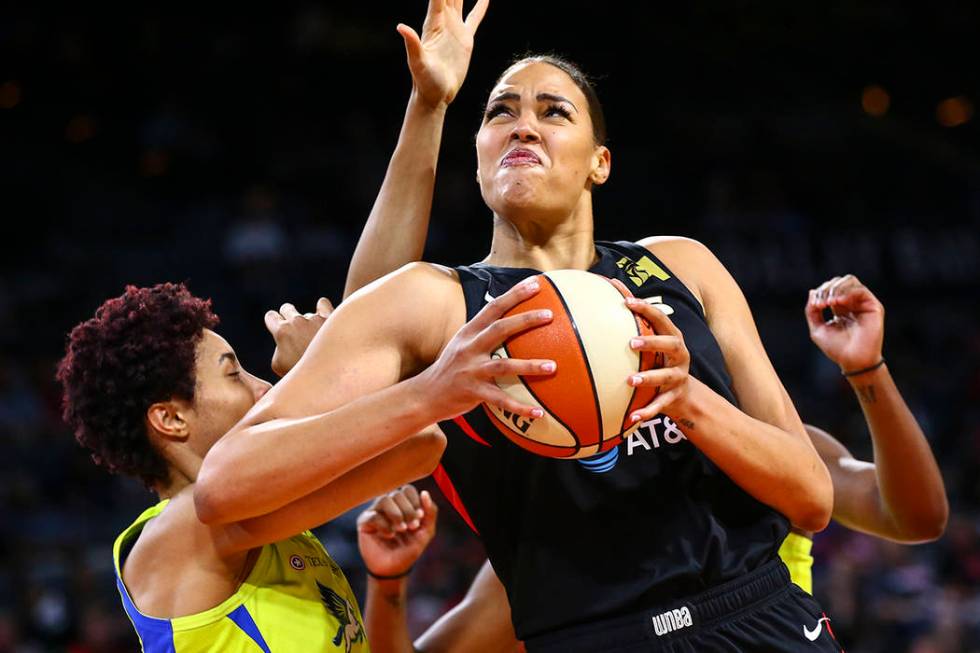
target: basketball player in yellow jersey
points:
(149, 388)
(899, 497)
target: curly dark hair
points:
(138, 349)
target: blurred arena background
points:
(240, 150)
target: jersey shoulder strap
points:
(642, 271)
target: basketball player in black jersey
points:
(899, 496)
(673, 548)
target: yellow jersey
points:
(795, 552)
(295, 599)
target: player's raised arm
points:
(761, 444)
(438, 60)
(343, 403)
(901, 495)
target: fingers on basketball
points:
(499, 306)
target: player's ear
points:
(169, 419)
(601, 165)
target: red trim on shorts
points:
(449, 491)
(468, 430)
(831, 631)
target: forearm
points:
(480, 622)
(261, 467)
(910, 487)
(396, 228)
(776, 467)
(404, 463)
(386, 616)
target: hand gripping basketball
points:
(673, 377)
(462, 377)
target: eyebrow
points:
(230, 355)
(546, 97)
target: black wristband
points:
(395, 577)
(865, 370)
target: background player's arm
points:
(481, 621)
(762, 445)
(396, 228)
(392, 534)
(910, 511)
(901, 495)
(342, 404)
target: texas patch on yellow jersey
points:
(295, 599)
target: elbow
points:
(938, 521)
(812, 518)
(206, 504)
(221, 489)
(928, 526)
(816, 505)
(210, 506)
(425, 451)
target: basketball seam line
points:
(588, 365)
(578, 444)
(497, 421)
(639, 365)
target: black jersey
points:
(647, 522)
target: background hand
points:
(395, 530)
(440, 58)
(293, 332)
(854, 335)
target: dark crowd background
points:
(239, 149)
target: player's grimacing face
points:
(224, 391)
(535, 148)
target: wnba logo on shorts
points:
(672, 620)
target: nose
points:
(259, 387)
(525, 128)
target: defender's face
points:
(224, 391)
(535, 148)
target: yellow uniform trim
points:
(795, 552)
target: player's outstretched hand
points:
(440, 58)
(854, 334)
(293, 332)
(463, 375)
(395, 530)
(672, 379)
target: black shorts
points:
(760, 612)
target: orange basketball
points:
(587, 401)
